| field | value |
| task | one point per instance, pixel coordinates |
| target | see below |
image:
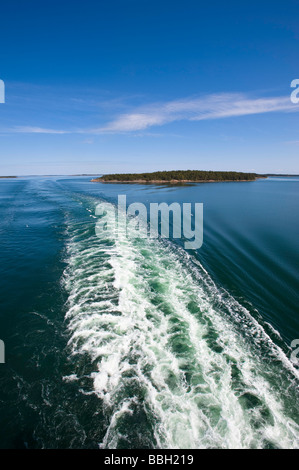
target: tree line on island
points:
(179, 175)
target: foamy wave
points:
(161, 337)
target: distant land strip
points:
(180, 176)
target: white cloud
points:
(36, 130)
(214, 106)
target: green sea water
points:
(114, 342)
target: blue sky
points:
(137, 85)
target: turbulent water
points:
(133, 343)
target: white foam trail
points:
(150, 318)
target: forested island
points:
(178, 176)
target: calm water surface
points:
(122, 343)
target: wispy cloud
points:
(214, 106)
(141, 118)
(36, 130)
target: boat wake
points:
(175, 361)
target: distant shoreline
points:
(101, 179)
